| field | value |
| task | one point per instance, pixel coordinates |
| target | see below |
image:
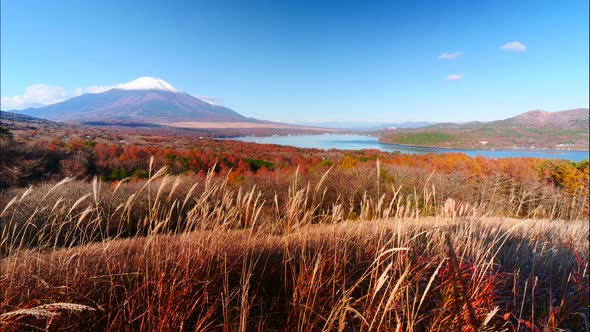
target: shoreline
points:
(482, 149)
(507, 149)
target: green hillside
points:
(535, 129)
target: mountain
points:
(146, 99)
(359, 125)
(8, 119)
(562, 120)
(406, 124)
(535, 129)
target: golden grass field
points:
(171, 254)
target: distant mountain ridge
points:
(562, 119)
(357, 125)
(534, 129)
(6, 117)
(145, 99)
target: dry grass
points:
(168, 254)
(427, 273)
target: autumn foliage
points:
(109, 232)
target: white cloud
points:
(43, 94)
(455, 77)
(450, 56)
(210, 100)
(35, 95)
(97, 89)
(514, 46)
(92, 89)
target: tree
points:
(5, 133)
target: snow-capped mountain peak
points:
(147, 83)
(145, 100)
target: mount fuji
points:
(146, 100)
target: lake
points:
(359, 142)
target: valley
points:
(153, 104)
(124, 210)
(245, 125)
(329, 166)
(209, 231)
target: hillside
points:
(112, 231)
(9, 118)
(534, 129)
(293, 251)
(149, 102)
(154, 106)
(31, 128)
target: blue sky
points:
(307, 60)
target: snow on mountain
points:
(147, 83)
(146, 99)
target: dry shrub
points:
(405, 274)
(351, 249)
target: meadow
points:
(227, 236)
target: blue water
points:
(359, 142)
